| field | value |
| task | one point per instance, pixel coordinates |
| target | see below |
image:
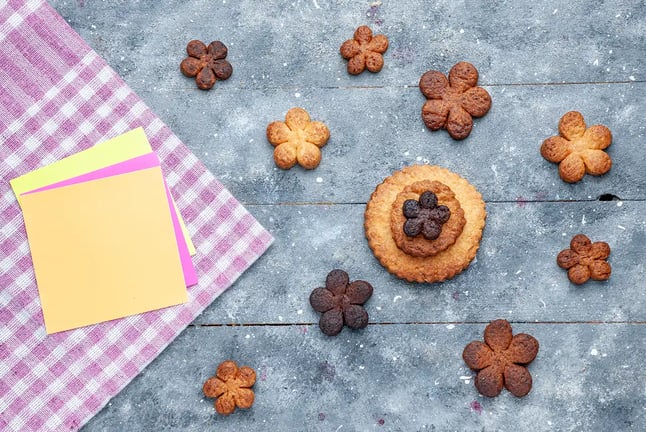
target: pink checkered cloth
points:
(57, 97)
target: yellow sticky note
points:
(123, 147)
(103, 249)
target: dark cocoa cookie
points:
(452, 103)
(364, 51)
(578, 149)
(206, 64)
(231, 386)
(585, 260)
(341, 302)
(450, 230)
(501, 359)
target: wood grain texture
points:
(296, 43)
(388, 377)
(404, 371)
(374, 132)
(514, 275)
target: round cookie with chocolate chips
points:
(424, 223)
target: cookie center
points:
(452, 95)
(579, 144)
(299, 136)
(585, 260)
(426, 218)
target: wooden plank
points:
(404, 372)
(296, 43)
(388, 377)
(377, 131)
(514, 275)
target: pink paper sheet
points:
(148, 160)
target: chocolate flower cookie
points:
(364, 51)
(341, 302)
(501, 359)
(231, 386)
(452, 103)
(206, 64)
(578, 149)
(424, 216)
(585, 260)
(297, 140)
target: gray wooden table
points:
(404, 372)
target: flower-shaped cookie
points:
(424, 216)
(231, 386)
(578, 149)
(297, 139)
(364, 51)
(452, 103)
(341, 302)
(500, 360)
(449, 224)
(585, 260)
(206, 64)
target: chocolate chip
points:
(411, 208)
(428, 200)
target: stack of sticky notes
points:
(105, 236)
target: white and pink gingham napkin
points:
(57, 97)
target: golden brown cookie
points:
(297, 140)
(443, 265)
(454, 102)
(231, 386)
(501, 360)
(364, 51)
(578, 149)
(585, 260)
(418, 245)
